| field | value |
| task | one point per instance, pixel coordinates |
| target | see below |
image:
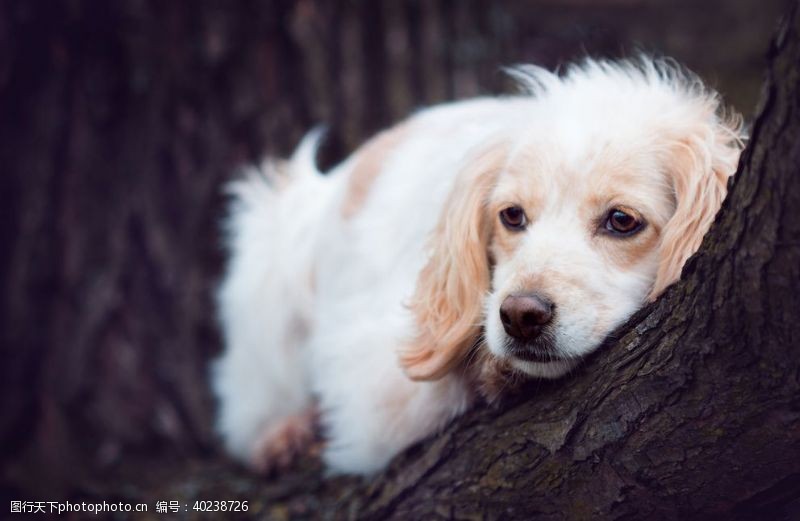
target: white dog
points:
(474, 239)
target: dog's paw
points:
(284, 441)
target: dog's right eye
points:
(513, 218)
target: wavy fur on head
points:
(701, 138)
(476, 243)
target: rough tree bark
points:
(120, 121)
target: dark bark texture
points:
(119, 123)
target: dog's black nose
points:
(524, 315)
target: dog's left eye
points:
(620, 222)
(513, 218)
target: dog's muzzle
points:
(525, 317)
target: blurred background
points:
(121, 120)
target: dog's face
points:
(560, 230)
(574, 246)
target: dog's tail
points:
(261, 184)
(303, 162)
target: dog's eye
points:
(513, 218)
(619, 222)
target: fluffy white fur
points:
(360, 293)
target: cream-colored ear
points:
(700, 167)
(448, 300)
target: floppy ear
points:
(448, 301)
(700, 165)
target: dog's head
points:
(584, 210)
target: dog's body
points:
(525, 228)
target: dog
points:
(476, 241)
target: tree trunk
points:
(121, 120)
